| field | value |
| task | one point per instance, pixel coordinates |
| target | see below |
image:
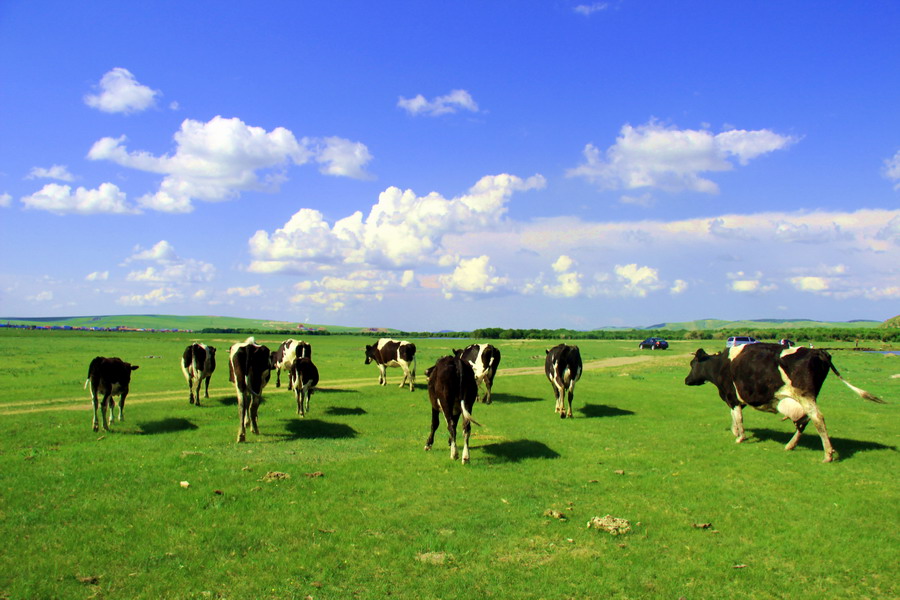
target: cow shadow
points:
(519, 450)
(510, 399)
(844, 447)
(169, 425)
(228, 401)
(332, 390)
(341, 411)
(317, 429)
(596, 411)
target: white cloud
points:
(60, 172)
(121, 93)
(60, 199)
(656, 156)
(568, 282)
(163, 295)
(679, 286)
(892, 169)
(169, 267)
(245, 292)
(5, 200)
(637, 281)
(97, 276)
(810, 284)
(45, 296)
(472, 276)
(218, 160)
(401, 230)
(589, 9)
(441, 105)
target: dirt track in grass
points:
(84, 403)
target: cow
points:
(304, 378)
(452, 390)
(563, 368)
(250, 370)
(108, 377)
(484, 359)
(391, 353)
(771, 378)
(198, 363)
(283, 358)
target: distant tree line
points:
(832, 334)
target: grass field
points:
(364, 512)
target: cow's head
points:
(370, 353)
(699, 373)
(458, 353)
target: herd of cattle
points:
(768, 377)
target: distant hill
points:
(739, 326)
(181, 323)
(892, 322)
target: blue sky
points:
(451, 165)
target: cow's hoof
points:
(191, 400)
(465, 461)
(562, 415)
(95, 427)
(828, 458)
(241, 439)
(427, 447)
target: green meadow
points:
(346, 503)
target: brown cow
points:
(108, 377)
(452, 390)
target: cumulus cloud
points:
(168, 267)
(637, 281)
(5, 200)
(679, 286)
(45, 296)
(453, 102)
(60, 199)
(472, 276)
(219, 159)
(656, 156)
(568, 282)
(97, 276)
(60, 172)
(244, 292)
(120, 92)
(749, 283)
(400, 231)
(334, 292)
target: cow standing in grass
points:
(484, 359)
(771, 378)
(391, 353)
(283, 358)
(452, 391)
(563, 368)
(198, 364)
(304, 379)
(108, 377)
(250, 370)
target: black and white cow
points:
(391, 353)
(771, 378)
(563, 368)
(484, 359)
(108, 377)
(283, 358)
(304, 378)
(198, 364)
(452, 391)
(250, 370)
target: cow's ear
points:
(700, 353)
(547, 351)
(135, 367)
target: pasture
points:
(346, 504)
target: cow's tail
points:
(860, 392)
(467, 415)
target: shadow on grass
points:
(844, 447)
(519, 450)
(228, 401)
(169, 425)
(509, 398)
(341, 411)
(593, 411)
(316, 429)
(332, 390)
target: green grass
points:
(103, 515)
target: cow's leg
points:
(737, 423)
(435, 421)
(405, 375)
(412, 379)
(308, 394)
(94, 400)
(571, 394)
(487, 390)
(382, 375)
(107, 403)
(451, 427)
(190, 381)
(800, 425)
(242, 414)
(299, 394)
(121, 408)
(290, 383)
(207, 388)
(278, 376)
(196, 392)
(254, 409)
(812, 410)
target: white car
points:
(740, 340)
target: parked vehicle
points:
(740, 340)
(653, 343)
(787, 342)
